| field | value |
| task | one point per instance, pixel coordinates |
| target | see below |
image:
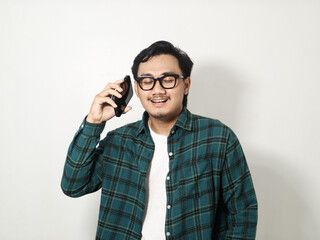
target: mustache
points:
(158, 97)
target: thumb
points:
(127, 109)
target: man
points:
(172, 175)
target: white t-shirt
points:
(155, 209)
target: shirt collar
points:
(184, 121)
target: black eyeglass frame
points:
(160, 79)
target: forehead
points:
(157, 65)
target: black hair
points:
(164, 47)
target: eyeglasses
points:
(167, 81)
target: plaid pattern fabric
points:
(208, 186)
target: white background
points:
(256, 68)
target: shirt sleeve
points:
(83, 167)
(238, 194)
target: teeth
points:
(158, 101)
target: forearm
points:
(83, 169)
(238, 194)
(242, 223)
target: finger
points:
(111, 102)
(120, 81)
(127, 109)
(115, 85)
(106, 100)
(110, 92)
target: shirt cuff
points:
(92, 129)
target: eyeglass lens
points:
(148, 83)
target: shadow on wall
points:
(215, 92)
(283, 212)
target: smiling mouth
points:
(159, 100)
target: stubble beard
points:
(158, 114)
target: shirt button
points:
(168, 234)
(170, 154)
(168, 178)
(169, 206)
(172, 132)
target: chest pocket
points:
(196, 178)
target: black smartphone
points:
(126, 96)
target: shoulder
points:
(210, 124)
(215, 129)
(199, 119)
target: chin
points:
(157, 114)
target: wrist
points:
(90, 119)
(92, 129)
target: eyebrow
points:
(164, 73)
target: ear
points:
(136, 89)
(187, 83)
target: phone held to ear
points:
(126, 96)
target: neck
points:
(160, 126)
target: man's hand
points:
(102, 108)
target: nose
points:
(158, 88)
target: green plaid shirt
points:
(209, 186)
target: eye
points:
(168, 80)
(147, 81)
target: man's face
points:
(160, 103)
